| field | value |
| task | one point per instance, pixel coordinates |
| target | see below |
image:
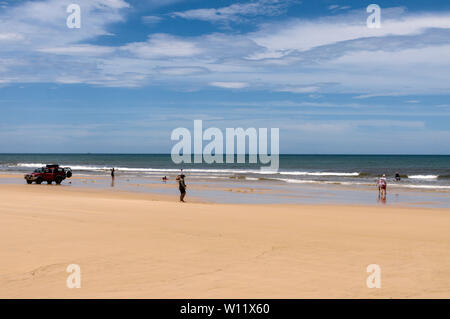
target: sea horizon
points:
(287, 154)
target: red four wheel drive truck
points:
(49, 174)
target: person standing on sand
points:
(181, 186)
(112, 176)
(382, 186)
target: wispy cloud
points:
(163, 45)
(10, 36)
(336, 7)
(81, 50)
(302, 35)
(230, 85)
(237, 12)
(40, 24)
(300, 89)
(390, 94)
(151, 19)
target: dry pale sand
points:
(145, 246)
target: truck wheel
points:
(58, 180)
(29, 182)
(69, 174)
(39, 181)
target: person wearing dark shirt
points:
(181, 186)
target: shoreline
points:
(238, 191)
(139, 246)
(90, 191)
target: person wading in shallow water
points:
(382, 188)
(181, 186)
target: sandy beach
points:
(131, 245)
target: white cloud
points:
(237, 12)
(83, 49)
(180, 70)
(116, 4)
(367, 96)
(10, 36)
(336, 54)
(330, 128)
(151, 19)
(302, 35)
(230, 85)
(301, 89)
(288, 103)
(335, 7)
(390, 73)
(163, 45)
(153, 4)
(40, 24)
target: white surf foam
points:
(303, 181)
(30, 165)
(425, 186)
(148, 170)
(297, 181)
(423, 176)
(320, 173)
(193, 170)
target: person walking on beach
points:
(181, 186)
(382, 186)
(112, 177)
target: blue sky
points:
(136, 70)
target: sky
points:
(138, 69)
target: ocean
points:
(431, 172)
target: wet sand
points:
(134, 245)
